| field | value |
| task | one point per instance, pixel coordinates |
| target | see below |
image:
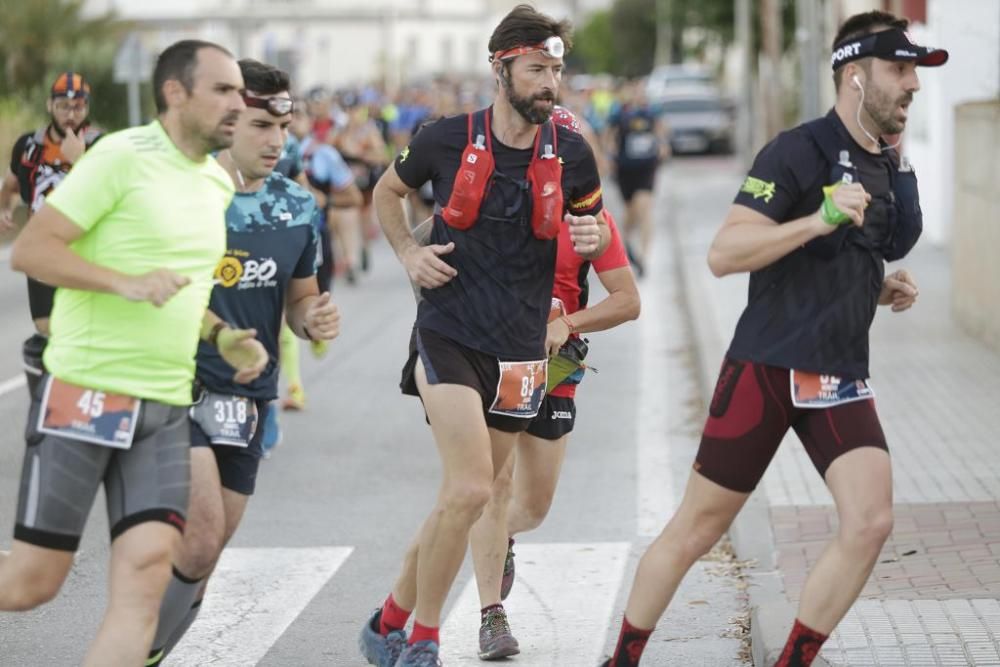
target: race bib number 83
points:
(521, 388)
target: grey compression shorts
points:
(149, 482)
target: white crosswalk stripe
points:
(560, 607)
(254, 595)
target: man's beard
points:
(526, 105)
(217, 139)
(61, 131)
(881, 110)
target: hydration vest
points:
(476, 170)
(906, 221)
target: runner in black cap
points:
(825, 205)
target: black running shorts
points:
(632, 179)
(40, 298)
(750, 413)
(237, 465)
(555, 419)
(449, 362)
(60, 477)
(31, 355)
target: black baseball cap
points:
(893, 44)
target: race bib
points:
(813, 390)
(521, 388)
(641, 146)
(88, 415)
(225, 419)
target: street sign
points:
(133, 61)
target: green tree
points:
(40, 38)
(592, 45)
(622, 40)
(633, 25)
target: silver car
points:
(700, 121)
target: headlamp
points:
(553, 47)
(276, 106)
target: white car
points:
(664, 80)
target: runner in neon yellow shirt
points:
(131, 242)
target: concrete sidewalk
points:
(934, 597)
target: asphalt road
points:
(357, 472)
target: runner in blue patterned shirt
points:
(269, 269)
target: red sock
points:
(802, 647)
(393, 617)
(423, 633)
(631, 644)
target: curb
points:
(771, 614)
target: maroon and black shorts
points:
(750, 413)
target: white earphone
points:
(857, 82)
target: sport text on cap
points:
(893, 44)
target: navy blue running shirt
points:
(803, 311)
(500, 300)
(270, 239)
(638, 145)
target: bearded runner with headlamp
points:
(505, 178)
(825, 205)
(527, 483)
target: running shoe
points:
(507, 582)
(272, 433)
(378, 649)
(495, 638)
(420, 654)
(636, 262)
(296, 398)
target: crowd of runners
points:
(173, 268)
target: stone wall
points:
(975, 242)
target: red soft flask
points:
(470, 181)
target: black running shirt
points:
(803, 311)
(500, 300)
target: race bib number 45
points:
(815, 390)
(88, 415)
(521, 388)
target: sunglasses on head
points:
(276, 106)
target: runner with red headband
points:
(523, 491)
(506, 180)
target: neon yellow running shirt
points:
(143, 205)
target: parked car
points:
(700, 121)
(665, 79)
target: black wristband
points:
(306, 332)
(213, 335)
